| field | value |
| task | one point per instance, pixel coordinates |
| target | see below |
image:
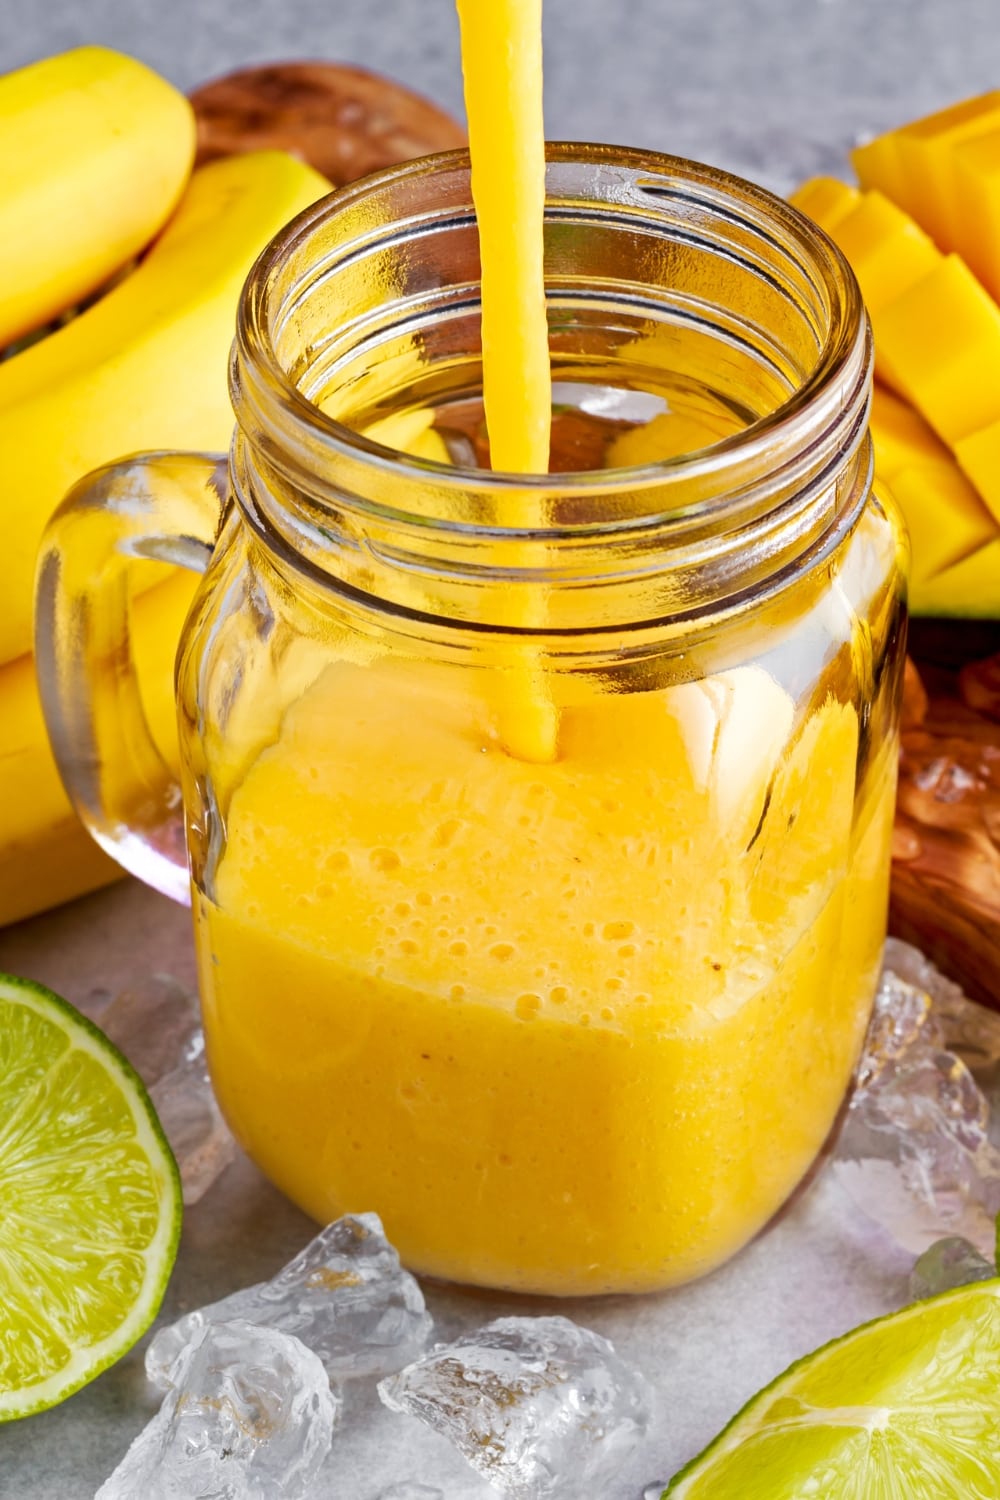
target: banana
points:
(96, 150)
(46, 855)
(145, 367)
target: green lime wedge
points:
(906, 1408)
(90, 1201)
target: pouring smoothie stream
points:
(539, 831)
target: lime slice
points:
(908, 1406)
(90, 1201)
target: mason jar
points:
(536, 828)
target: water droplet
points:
(616, 932)
(559, 995)
(458, 949)
(607, 1014)
(385, 860)
(409, 946)
(528, 1006)
(402, 908)
(627, 950)
(502, 951)
(612, 984)
(655, 1491)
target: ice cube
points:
(345, 1296)
(157, 1025)
(408, 1490)
(946, 1264)
(541, 1407)
(915, 1150)
(250, 1417)
(899, 1016)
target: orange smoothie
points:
(614, 1000)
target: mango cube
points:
(877, 165)
(968, 589)
(902, 438)
(888, 252)
(947, 519)
(825, 199)
(976, 187)
(979, 456)
(914, 164)
(941, 340)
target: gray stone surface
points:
(770, 87)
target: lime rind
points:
(140, 1272)
(917, 1436)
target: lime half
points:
(90, 1201)
(906, 1408)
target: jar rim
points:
(287, 417)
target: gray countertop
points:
(773, 88)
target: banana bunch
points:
(98, 154)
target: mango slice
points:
(968, 590)
(976, 190)
(941, 339)
(888, 252)
(825, 199)
(946, 517)
(979, 456)
(914, 164)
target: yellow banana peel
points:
(96, 150)
(145, 367)
(46, 855)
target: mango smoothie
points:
(614, 1000)
(566, 982)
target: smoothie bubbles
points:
(538, 743)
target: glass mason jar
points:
(537, 827)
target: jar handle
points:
(160, 506)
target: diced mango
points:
(888, 252)
(902, 439)
(926, 154)
(979, 456)
(825, 199)
(913, 164)
(968, 589)
(877, 165)
(976, 187)
(941, 341)
(946, 519)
